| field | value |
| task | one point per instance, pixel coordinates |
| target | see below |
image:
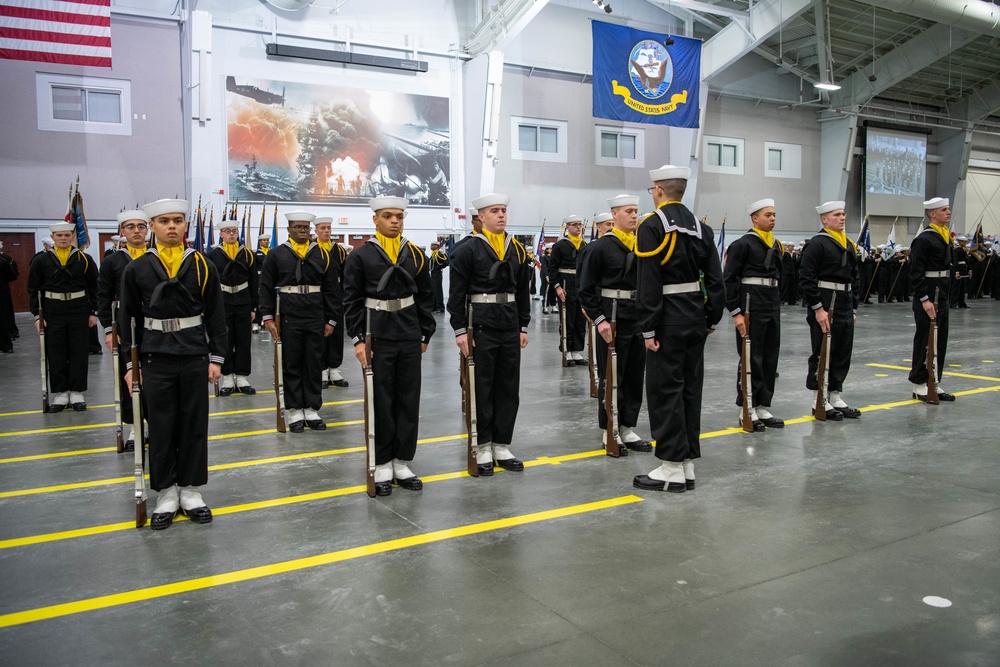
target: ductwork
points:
(974, 15)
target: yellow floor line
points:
(951, 373)
(284, 567)
(211, 395)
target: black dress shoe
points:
(689, 484)
(343, 384)
(622, 450)
(773, 422)
(640, 446)
(198, 514)
(649, 484)
(410, 483)
(56, 407)
(834, 415)
(162, 520)
(513, 465)
(325, 384)
(383, 488)
(758, 426)
(226, 391)
(80, 407)
(316, 424)
(297, 427)
(247, 390)
(130, 445)
(485, 469)
(945, 396)
(849, 412)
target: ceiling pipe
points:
(974, 15)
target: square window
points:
(728, 155)
(69, 103)
(626, 146)
(723, 155)
(714, 154)
(774, 159)
(104, 106)
(527, 138)
(538, 139)
(609, 144)
(548, 140)
(84, 104)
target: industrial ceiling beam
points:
(978, 104)
(504, 22)
(740, 38)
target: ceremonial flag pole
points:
(263, 212)
(274, 227)
(720, 245)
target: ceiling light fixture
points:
(603, 5)
(826, 85)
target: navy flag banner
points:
(639, 79)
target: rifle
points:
(592, 359)
(746, 385)
(878, 263)
(470, 404)
(279, 377)
(461, 379)
(932, 334)
(823, 369)
(140, 440)
(119, 436)
(982, 281)
(369, 376)
(902, 264)
(562, 333)
(611, 436)
(45, 362)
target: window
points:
(86, 104)
(723, 155)
(619, 146)
(782, 160)
(538, 139)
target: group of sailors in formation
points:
(654, 288)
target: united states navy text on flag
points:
(639, 79)
(68, 32)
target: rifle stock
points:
(140, 440)
(562, 333)
(592, 358)
(44, 360)
(369, 376)
(932, 334)
(472, 466)
(611, 435)
(119, 435)
(823, 368)
(746, 384)
(279, 379)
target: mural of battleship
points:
(337, 145)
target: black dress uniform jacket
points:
(476, 269)
(929, 253)
(233, 272)
(283, 267)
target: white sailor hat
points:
(879, 246)
(548, 246)
(937, 202)
(228, 224)
(134, 214)
(299, 216)
(163, 206)
(473, 212)
(48, 241)
(62, 227)
(604, 217)
(961, 237)
(829, 206)
(263, 237)
(572, 218)
(117, 239)
(623, 200)
(493, 199)
(668, 172)
(379, 203)
(322, 221)
(759, 204)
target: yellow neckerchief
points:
(840, 237)
(767, 237)
(390, 245)
(264, 250)
(231, 249)
(171, 258)
(300, 248)
(943, 231)
(627, 238)
(575, 240)
(62, 254)
(496, 241)
(325, 245)
(136, 253)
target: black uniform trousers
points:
(67, 344)
(333, 351)
(885, 276)
(396, 370)
(576, 323)
(302, 367)
(437, 289)
(765, 344)
(631, 370)
(674, 378)
(240, 335)
(959, 288)
(918, 370)
(178, 427)
(841, 348)
(497, 354)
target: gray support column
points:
(954, 147)
(836, 144)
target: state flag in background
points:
(645, 77)
(66, 32)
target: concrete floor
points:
(812, 545)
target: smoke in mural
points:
(298, 142)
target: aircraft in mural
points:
(255, 93)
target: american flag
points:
(69, 32)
